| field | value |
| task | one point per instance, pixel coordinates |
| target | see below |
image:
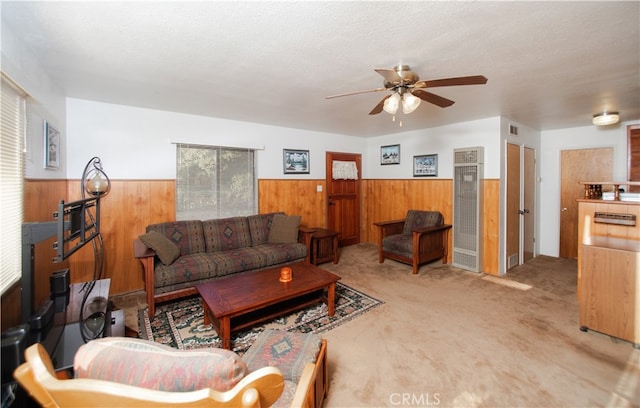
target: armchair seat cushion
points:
(400, 244)
(155, 366)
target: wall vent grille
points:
(467, 208)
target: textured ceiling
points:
(549, 64)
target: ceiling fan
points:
(407, 90)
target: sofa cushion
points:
(187, 235)
(284, 229)
(275, 254)
(226, 233)
(417, 219)
(289, 351)
(166, 250)
(237, 260)
(150, 365)
(260, 224)
(185, 272)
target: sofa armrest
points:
(304, 237)
(140, 250)
(147, 257)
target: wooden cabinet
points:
(610, 289)
(609, 268)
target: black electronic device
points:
(14, 342)
(59, 283)
(42, 317)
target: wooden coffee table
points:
(242, 300)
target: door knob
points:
(564, 209)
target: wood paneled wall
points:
(295, 197)
(133, 204)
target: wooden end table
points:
(324, 246)
(241, 300)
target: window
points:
(214, 182)
(12, 131)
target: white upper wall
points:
(438, 140)
(138, 143)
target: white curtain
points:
(344, 170)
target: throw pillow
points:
(166, 250)
(146, 364)
(284, 229)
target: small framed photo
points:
(425, 166)
(295, 161)
(51, 147)
(390, 154)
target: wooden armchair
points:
(260, 388)
(419, 238)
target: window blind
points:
(214, 182)
(12, 132)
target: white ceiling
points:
(549, 64)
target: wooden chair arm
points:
(430, 230)
(303, 397)
(387, 228)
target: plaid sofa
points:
(212, 249)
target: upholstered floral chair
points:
(419, 238)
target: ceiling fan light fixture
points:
(391, 104)
(410, 102)
(606, 118)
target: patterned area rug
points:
(180, 324)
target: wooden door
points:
(344, 200)
(521, 209)
(576, 166)
(529, 204)
(513, 206)
(633, 156)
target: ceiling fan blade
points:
(379, 106)
(355, 93)
(432, 98)
(389, 75)
(468, 80)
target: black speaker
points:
(59, 282)
(14, 342)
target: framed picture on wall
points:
(425, 166)
(51, 147)
(390, 154)
(295, 161)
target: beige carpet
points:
(450, 338)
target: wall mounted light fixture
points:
(606, 118)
